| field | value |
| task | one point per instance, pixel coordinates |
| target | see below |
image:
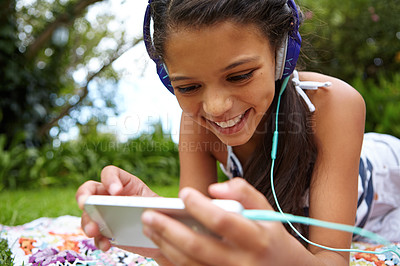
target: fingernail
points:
(221, 187)
(103, 245)
(81, 201)
(114, 188)
(183, 193)
(147, 217)
(88, 229)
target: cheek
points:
(190, 106)
(261, 95)
(269, 99)
(264, 86)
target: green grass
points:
(22, 206)
(166, 191)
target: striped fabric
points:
(365, 192)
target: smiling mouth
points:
(230, 123)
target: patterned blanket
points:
(61, 241)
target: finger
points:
(183, 246)
(89, 227)
(87, 189)
(231, 226)
(240, 190)
(102, 243)
(120, 182)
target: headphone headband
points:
(286, 56)
(148, 41)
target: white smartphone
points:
(119, 217)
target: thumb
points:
(240, 190)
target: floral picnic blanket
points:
(61, 241)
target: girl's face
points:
(223, 78)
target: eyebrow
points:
(229, 67)
(241, 62)
(178, 78)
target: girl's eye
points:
(188, 89)
(241, 77)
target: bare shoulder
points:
(340, 99)
(338, 90)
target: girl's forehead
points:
(229, 25)
(212, 37)
(214, 48)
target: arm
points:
(339, 128)
(198, 167)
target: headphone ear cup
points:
(292, 43)
(292, 55)
(286, 56)
(280, 58)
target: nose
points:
(216, 102)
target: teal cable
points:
(288, 218)
(272, 216)
(275, 137)
(267, 215)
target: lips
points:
(231, 126)
(230, 123)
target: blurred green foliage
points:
(43, 45)
(358, 41)
(382, 98)
(351, 39)
(152, 157)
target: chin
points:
(239, 138)
(233, 140)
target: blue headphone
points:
(286, 56)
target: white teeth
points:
(230, 123)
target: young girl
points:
(228, 62)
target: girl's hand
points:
(114, 181)
(242, 242)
